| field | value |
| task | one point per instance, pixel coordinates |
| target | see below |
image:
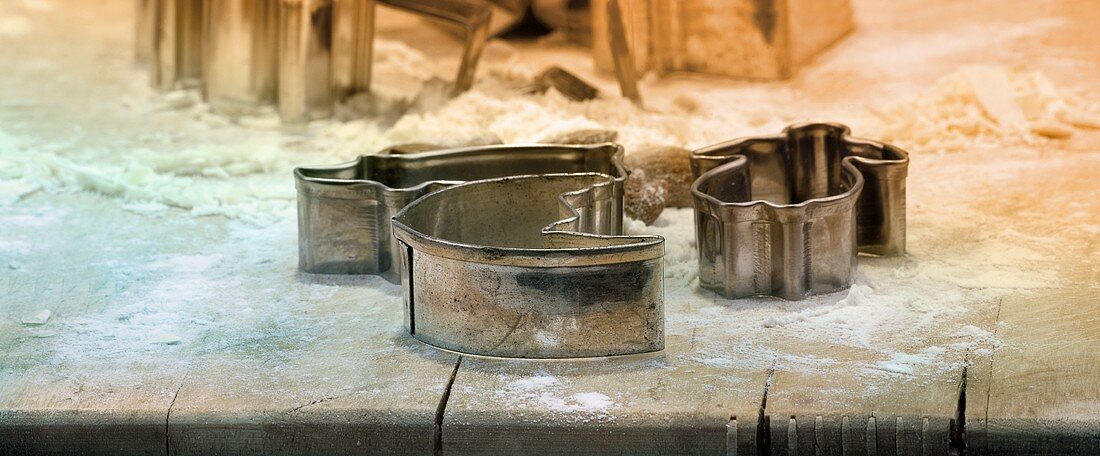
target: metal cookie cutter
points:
(344, 211)
(785, 215)
(305, 60)
(176, 42)
(240, 54)
(531, 267)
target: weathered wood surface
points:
(273, 362)
(673, 402)
(1040, 393)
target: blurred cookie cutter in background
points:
(531, 266)
(785, 215)
(344, 211)
(172, 43)
(240, 54)
(302, 55)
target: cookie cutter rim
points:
(316, 185)
(875, 196)
(462, 318)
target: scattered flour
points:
(555, 394)
(895, 315)
(38, 318)
(976, 105)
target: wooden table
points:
(270, 361)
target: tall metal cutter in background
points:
(303, 55)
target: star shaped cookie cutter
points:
(344, 211)
(531, 266)
(786, 215)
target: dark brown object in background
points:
(570, 17)
(644, 198)
(567, 83)
(670, 164)
(587, 136)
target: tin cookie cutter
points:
(785, 215)
(501, 267)
(344, 211)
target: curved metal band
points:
(531, 267)
(785, 215)
(344, 211)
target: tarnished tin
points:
(344, 211)
(531, 267)
(785, 215)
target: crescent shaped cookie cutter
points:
(344, 211)
(531, 266)
(786, 215)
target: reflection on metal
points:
(305, 60)
(303, 55)
(344, 211)
(240, 54)
(143, 30)
(176, 48)
(531, 267)
(352, 46)
(785, 215)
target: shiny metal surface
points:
(352, 46)
(344, 211)
(785, 215)
(240, 54)
(305, 60)
(176, 49)
(531, 267)
(302, 55)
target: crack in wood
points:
(167, 418)
(441, 409)
(763, 424)
(313, 402)
(731, 436)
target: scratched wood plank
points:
(1030, 247)
(359, 386)
(845, 410)
(258, 360)
(49, 404)
(700, 396)
(1041, 393)
(80, 381)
